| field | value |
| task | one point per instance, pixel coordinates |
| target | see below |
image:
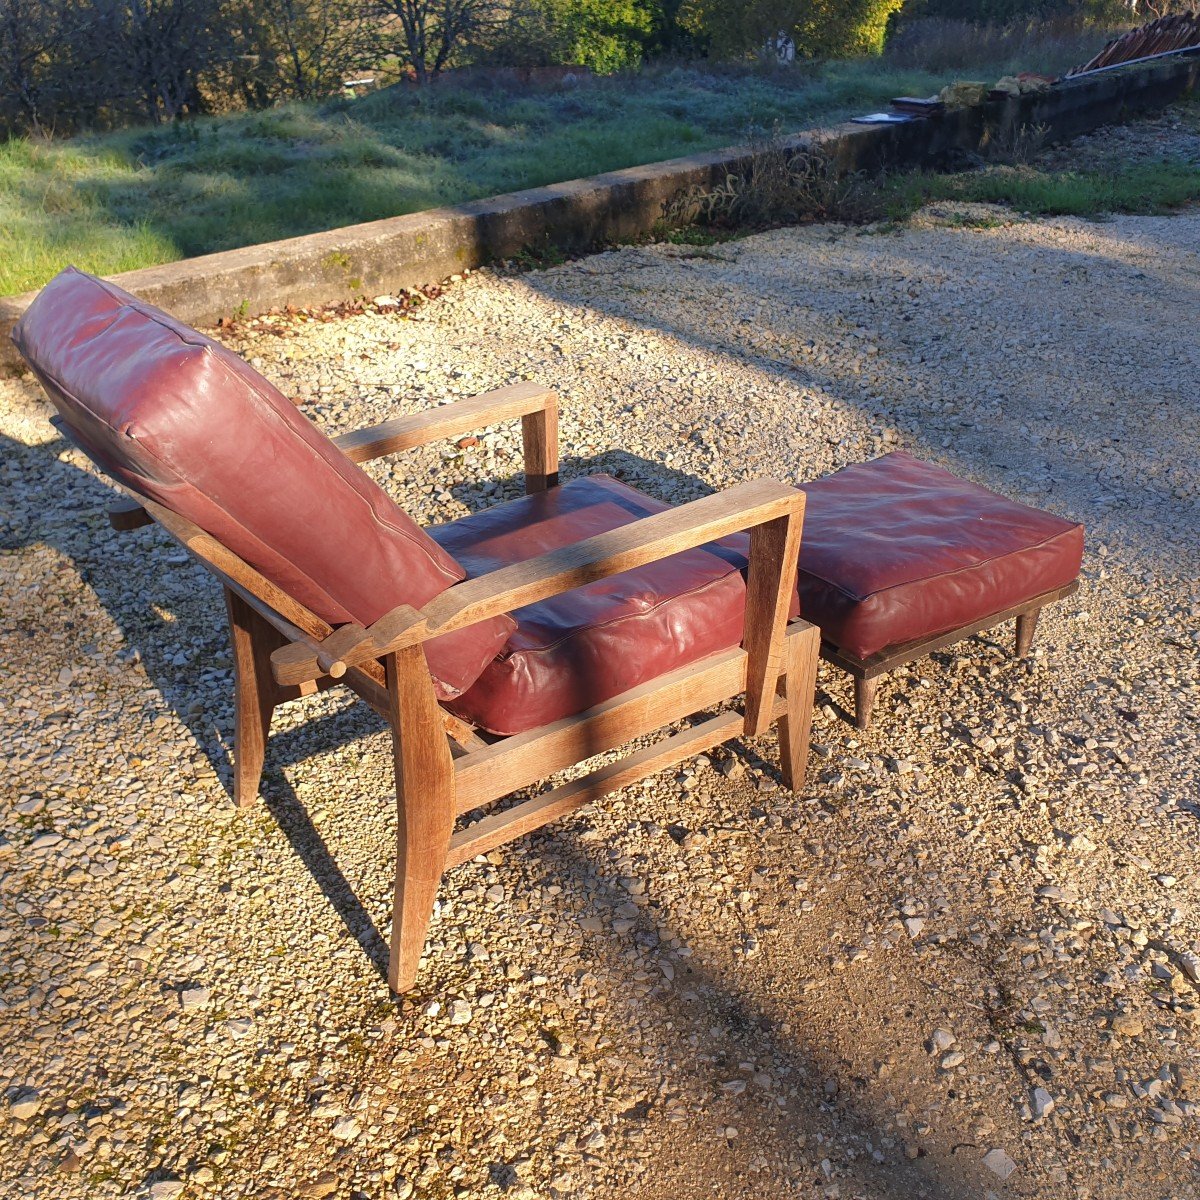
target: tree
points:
(606, 35)
(28, 29)
(668, 34)
(819, 28)
(296, 49)
(432, 31)
(145, 56)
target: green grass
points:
(143, 196)
(1143, 188)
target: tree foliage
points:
(604, 35)
(72, 64)
(297, 49)
(819, 28)
(82, 61)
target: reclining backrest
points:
(185, 422)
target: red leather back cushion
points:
(182, 420)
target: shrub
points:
(605, 35)
(819, 28)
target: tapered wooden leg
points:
(802, 652)
(864, 700)
(424, 808)
(1026, 628)
(254, 695)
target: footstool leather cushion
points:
(897, 550)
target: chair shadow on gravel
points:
(707, 1002)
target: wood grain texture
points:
(524, 758)
(802, 651)
(539, 438)
(446, 421)
(774, 550)
(868, 671)
(212, 552)
(649, 539)
(305, 659)
(864, 701)
(891, 657)
(424, 808)
(430, 790)
(503, 826)
(254, 694)
(1026, 629)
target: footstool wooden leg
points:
(864, 698)
(1026, 628)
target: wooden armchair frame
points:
(444, 769)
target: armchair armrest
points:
(772, 511)
(537, 407)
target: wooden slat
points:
(128, 514)
(365, 679)
(892, 657)
(424, 808)
(206, 547)
(801, 652)
(525, 758)
(255, 694)
(339, 642)
(290, 632)
(462, 733)
(303, 660)
(365, 686)
(446, 421)
(502, 827)
(304, 628)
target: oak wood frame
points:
(866, 671)
(443, 768)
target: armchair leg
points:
(799, 686)
(424, 808)
(254, 695)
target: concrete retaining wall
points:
(384, 256)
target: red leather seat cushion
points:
(898, 549)
(587, 645)
(185, 422)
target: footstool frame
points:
(866, 671)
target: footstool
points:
(900, 558)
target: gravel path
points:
(964, 964)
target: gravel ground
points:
(1172, 135)
(962, 964)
